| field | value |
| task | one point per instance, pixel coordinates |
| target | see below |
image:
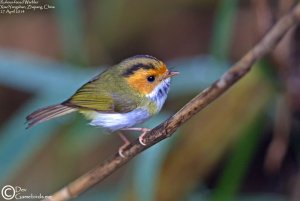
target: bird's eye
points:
(151, 78)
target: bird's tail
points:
(47, 113)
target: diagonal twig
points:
(203, 99)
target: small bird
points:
(119, 98)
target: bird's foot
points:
(142, 136)
(124, 146)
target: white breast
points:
(116, 121)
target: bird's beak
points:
(171, 74)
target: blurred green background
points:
(243, 147)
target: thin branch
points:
(167, 128)
(278, 147)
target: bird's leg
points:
(142, 136)
(125, 145)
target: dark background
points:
(244, 146)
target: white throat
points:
(159, 93)
(116, 121)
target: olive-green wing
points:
(99, 96)
(91, 96)
(124, 102)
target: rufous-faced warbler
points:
(122, 96)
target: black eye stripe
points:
(136, 67)
(151, 78)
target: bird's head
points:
(144, 73)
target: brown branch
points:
(167, 128)
(281, 135)
(285, 61)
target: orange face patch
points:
(140, 79)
